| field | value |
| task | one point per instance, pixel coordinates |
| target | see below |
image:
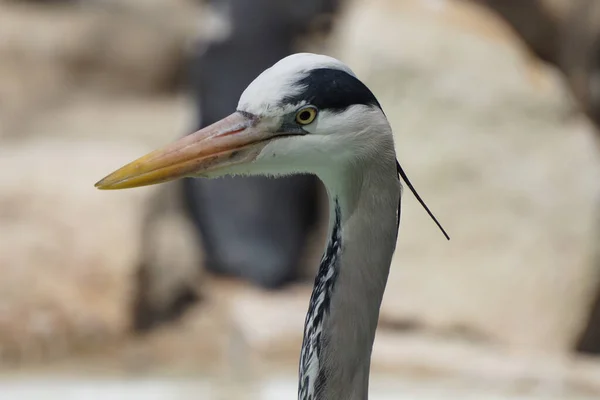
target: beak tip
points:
(190, 155)
(105, 183)
(117, 181)
(99, 186)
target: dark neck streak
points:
(311, 373)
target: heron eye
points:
(306, 115)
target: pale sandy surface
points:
(274, 389)
(168, 390)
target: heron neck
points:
(344, 307)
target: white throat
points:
(344, 307)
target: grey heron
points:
(310, 114)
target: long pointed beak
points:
(232, 140)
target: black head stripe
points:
(332, 90)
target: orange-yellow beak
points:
(232, 140)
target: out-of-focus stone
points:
(421, 356)
(48, 53)
(66, 249)
(495, 155)
(565, 33)
(110, 45)
(270, 326)
(171, 266)
(148, 121)
(68, 252)
(269, 323)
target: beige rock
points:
(511, 177)
(270, 323)
(49, 53)
(66, 249)
(270, 326)
(170, 273)
(564, 33)
(148, 121)
(421, 356)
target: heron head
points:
(305, 114)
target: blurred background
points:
(199, 289)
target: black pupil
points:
(305, 115)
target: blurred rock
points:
(578, 57)
(47, 53)
(537, 22)
(270, 323)
(565, 33)
(483, 131)
(544, 375)
(66, 249)
(171, 267)
(267, 327)
(68, 252)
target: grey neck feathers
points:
(344, 307)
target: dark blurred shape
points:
(568, 36)
(579, 55)
(589, 340)
(254, 228)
